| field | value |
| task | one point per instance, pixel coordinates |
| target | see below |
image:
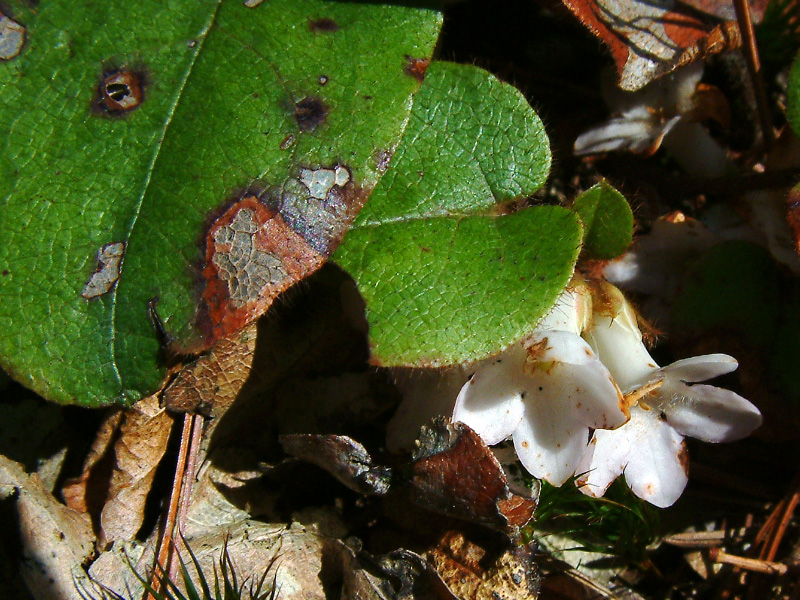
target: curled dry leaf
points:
(343, 457)
(650, 39)
(456, 474)
(77, 491)
(55, 539)
(138, 450)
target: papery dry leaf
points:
(142, 441)
(456, 474)
(55, 539)
(343, 457)
(76, 491)
(649, 39)
(473, 571)
(212, 382)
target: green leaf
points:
(236, 101)
(446, 276)
(607, 221)
(793, 97)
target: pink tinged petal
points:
(708, 413)
(548, 441)
(657, 467)
(491, 401)
(619, 345)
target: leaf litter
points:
(235, 477)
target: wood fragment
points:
(749, 564)
(745, 21)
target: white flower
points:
(545, 393)
(649, 449)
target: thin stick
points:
(745, 21)
(167, 543)
(750, 564)
(786, 517)
(188, 483)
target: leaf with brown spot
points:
(215, 104)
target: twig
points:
(167, 544)
(749, 564)
(705, 539)
(745, 21)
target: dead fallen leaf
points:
(456, 474)
(141, 444)
(55, 539)
(343, 457)
(76, 491)
(648, 39)
(211, 383)
(474, 571)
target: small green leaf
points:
(129, 126)
(793, 97)
(446, 276)
(607, 220)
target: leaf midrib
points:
(201, 40)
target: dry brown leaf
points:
(142, 441)
(473, 571)
(76, 491)
(212, 382)
(55, 539)
(648, 39)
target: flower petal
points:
(571, 311)
(548, 440)
(657, 470)
(708, 413)
(618, 343)
(605, 458)
(647, 450)
(700, 368)
(491, 401)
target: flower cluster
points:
(582, 395)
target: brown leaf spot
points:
(382, 160)
(310, 113)
(109, 262)
(12, 38)
(251, 256)
(119, 91)
(323, 26)
(416, 67)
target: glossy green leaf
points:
(234, 98)
(446, 275)
(607, 220)
(793, 97)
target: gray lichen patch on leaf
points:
(109, 261)
(246, 268)
(12, 37)
(320, 181)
